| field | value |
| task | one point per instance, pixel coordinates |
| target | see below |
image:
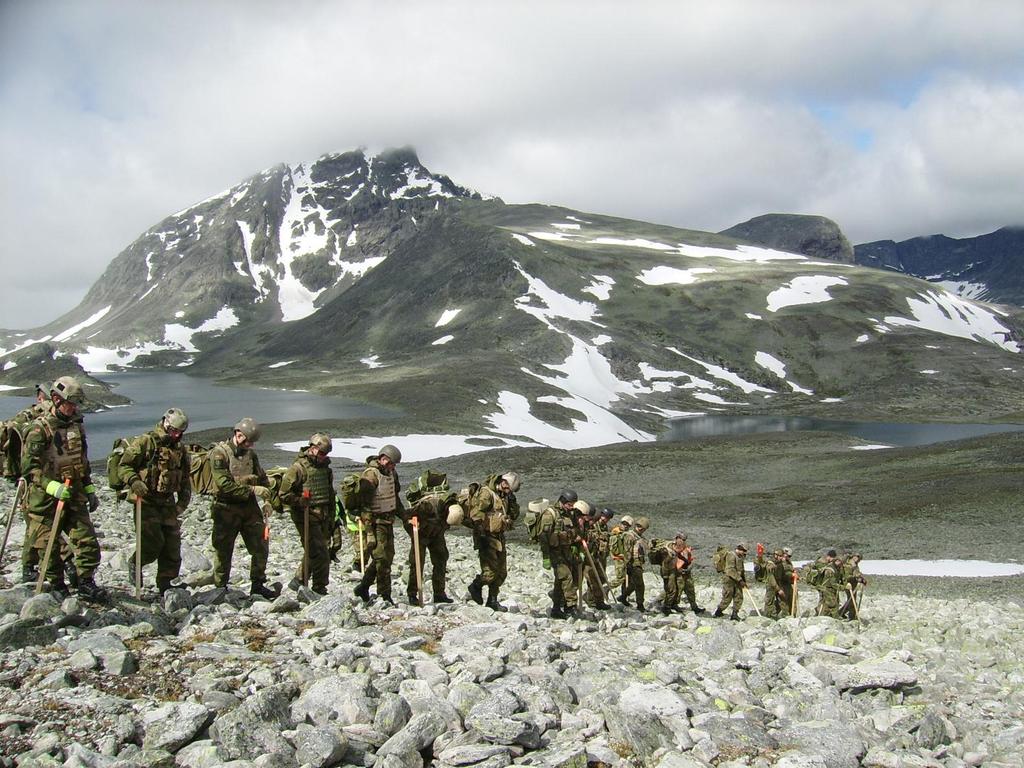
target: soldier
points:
(433, 506)
(380, 486)
(774, 594)
(617, 541)
(734, 581)
(16, 429)
(55, 464)
(155, 469)
(493, 509)
(677, 577)
(307, 490)
(587, 523)
(240, 484)
(852, 580)
(559, 546)
(602, 533)
(784, 578)
(634, 557)
(829, 585)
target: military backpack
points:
(114, 466)
(534, 513)
(760, 570)
(351, 495)
(658, 551)
(617, 544)
(718, 558)
(201, 470)
(466, 499)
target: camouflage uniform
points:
(12, 469)
(431, 514)
(768, 567)
(829, 583)
(784, 578)
(635, 556)
(381, 488)
(733, 581)
(308, 487)
(55, 450)
(492, 512)
(602, 536)
(852, 579)
(590, 534)
(618, 559)
(558, 544)
(162, 465)
(236, 510)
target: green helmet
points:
(68, 388)
(249, 428)
(175, 418)
(430, 481)
(391, 452)
(321, 441)
(643, 523)
(512, 478)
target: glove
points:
(547, 563)
(139, 488)
(249, 480)
(59, 491)
(262, 492)
(94, 502)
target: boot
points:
(476, 591)
(666, 610)
(29, 574)
(320, 589)
(441, 597)
(90, 590)
(71, 573)
(414, 599)
(163, 585)
(697, 609)
(492, 601)
(363, 590)
(262, 590)
(717, 614)
(57, 588)
(734, 616)
(557, 613)
(386, 599)
(601, 605)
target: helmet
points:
(538, 505)
(175, 418)
(582, 507)
(681, 535)
(568, 496)
(391, 452)
(626, 520)
(512, 479)
(68, 388)
(787, 551)
(607, 513)
(643, 522)
(455, 514)
(249, 428)
(742, 546)
(43, 387)
(321, 441)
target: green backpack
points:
(658, 551)
(534, 513)
(114, 465)
(718, 558)
(351, 494)
(201, 470)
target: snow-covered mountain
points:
(374, 278)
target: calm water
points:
(207, 404)
(888, 433)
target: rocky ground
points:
(213, 677)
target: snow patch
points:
(91, 320)
(723, 374)
(373, 361)
(944, 313)
(180, 336)
(415, 182)
(770, 363)
(555, 304)
(414, 447)
(282, 364)
(446, 317)
(298, 236)
(523, 239)
(807, 289)
(443, 340)
(559, 225)
(601, 340)
(601, 287)
(752, 316)
(663, 275)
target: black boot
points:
(476, 591)
(90, 590)
(492, 601)
(717, 614)
(666, 610)
(29, 574)
(163, 585)
(262, 590)
(362, 591)
(557, 612)
(441, 597)
(697, 609)
(414, 599)
(57, 588)
(734, 616)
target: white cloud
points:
(896, 119)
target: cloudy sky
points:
(896, 119)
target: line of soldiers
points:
(576, 539)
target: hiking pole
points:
(853, 602)
(750, 597)
(306, 498)
(45, 565)
(417, 560)
(604, 587)
(362, 547)
(138, 548)
(796, 592)
(10, 517)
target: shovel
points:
(45, 565)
